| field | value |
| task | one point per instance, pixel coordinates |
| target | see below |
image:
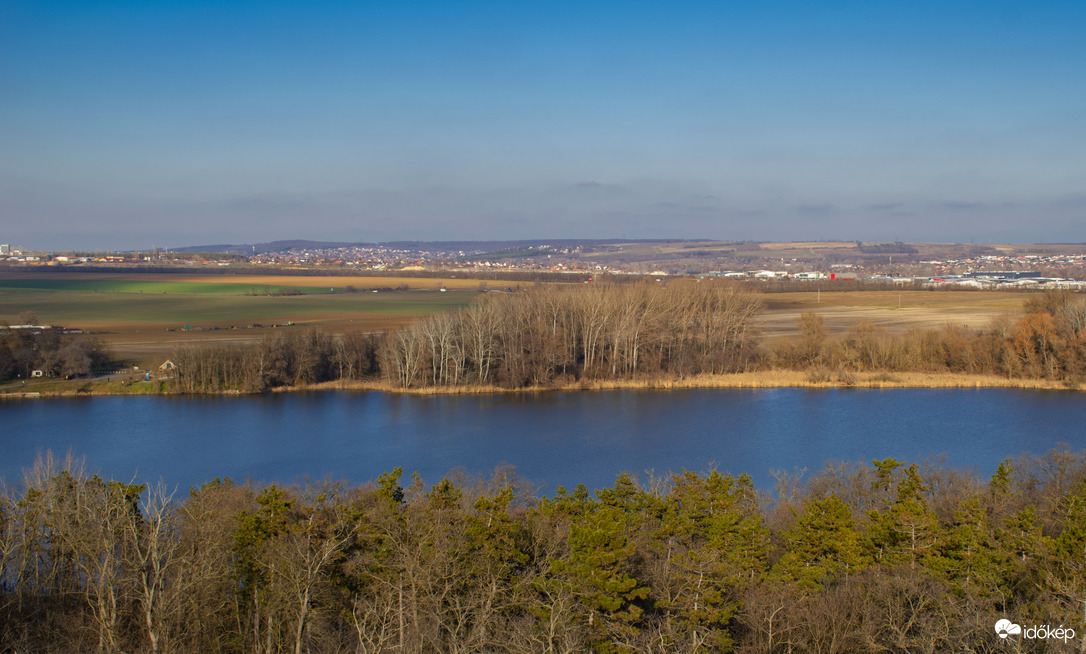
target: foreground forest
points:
(885, 557)
(640, 333)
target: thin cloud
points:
(821, 207)
(961, 204)
(885, 206)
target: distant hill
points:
(466, 246)
(260, 248)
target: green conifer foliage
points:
(598, 571)
(884, 473)
(968, 557)
(388, 486)
(1068, 567)
(822, 547)
(715, 543)
(254, 530)
(907, 530)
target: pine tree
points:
(715, 544)
(598, 571)
(907, 530)
(822, 547)
(967, 556)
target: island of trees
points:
(638, 333)
(885, 557)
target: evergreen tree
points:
(715, 544)
(907, 530)
(598, 571)
(967, 556)
(822, 547)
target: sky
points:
(128, 125)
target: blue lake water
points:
(551, 438)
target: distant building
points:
(5, 249)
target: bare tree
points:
(155, 556)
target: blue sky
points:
(127, 125)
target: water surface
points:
(552, 438)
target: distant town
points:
(962, 265)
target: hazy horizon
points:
(191, 123)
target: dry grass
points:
(760, 379)
(896, 311)
(802, 379)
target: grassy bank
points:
(759, 379)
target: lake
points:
(551, 438)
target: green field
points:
(143, 320)
(133, 286)
(105, 309)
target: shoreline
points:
(745, 380)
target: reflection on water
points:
(552, 438)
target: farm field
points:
(217, 284)
(141, 317)
(896, 311)
(129, 311)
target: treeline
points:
(553, 335)
(23, 351)
(880, 558)
(538, 337)
(308, 357)
(1048, 342)
(897, 247)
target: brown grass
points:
(761, 379)
(896, 311)
(801, 379)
